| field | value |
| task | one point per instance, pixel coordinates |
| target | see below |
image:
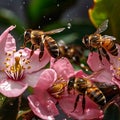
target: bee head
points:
(71, 84)
(85, 40)
(27, 35)
(80, 84)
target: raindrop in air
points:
(39, 27)
(23, 2)
(50, 18)
(69, 25)
(58, 5)
(11, 103)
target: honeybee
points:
(85, 87)
(109, 90)
(40, 39)
(103, 43)
(72, 52)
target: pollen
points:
(15, 66)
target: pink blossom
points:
(110, 71)
(47, 90)
(58, 73)
(17, 72)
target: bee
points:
(40, 39)
(103, 43)
(109, 90)
(85, 87)
(72, 52)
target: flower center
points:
(15, 66)
(116, 69)
(57, 89)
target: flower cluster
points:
(18, 72)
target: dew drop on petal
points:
(69, 25)
(37, 103)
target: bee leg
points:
(106, 55)
(76, 102)
(83, 103)
(100, 56)
(41, 50)
(32, 50)
(24, 44)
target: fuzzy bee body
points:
(103, 43)
(85, 87)
(40, 39)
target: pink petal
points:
(3, 38)
(95, 64)
(46, 79)
(42, 108)
(104, 76)
(10, 43)
(32, 78)
(91, 112)
(63, 67)
(34, 60)
(11, 88)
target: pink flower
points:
(51, 89)
(17, 72)
(110, 73)
(44, 90)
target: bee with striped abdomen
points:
(103, 43)
(39, 39)
(85, 87)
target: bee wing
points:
(54, 31)
(109, 37)
(61, 43)
(102, 27)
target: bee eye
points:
(27, 34)
(85, 39)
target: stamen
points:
(15, 67)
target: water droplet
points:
(39, 26)
(69, 25)
(50, 18)
(37, 103)
(58, 5)
(23, 2)
(11, 103)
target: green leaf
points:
(112, 112)
(9, 109)
(107, 9)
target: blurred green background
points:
(47, 15)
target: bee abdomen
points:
(52, 46)
(97, 96)
(114, 50)
(111, 47)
